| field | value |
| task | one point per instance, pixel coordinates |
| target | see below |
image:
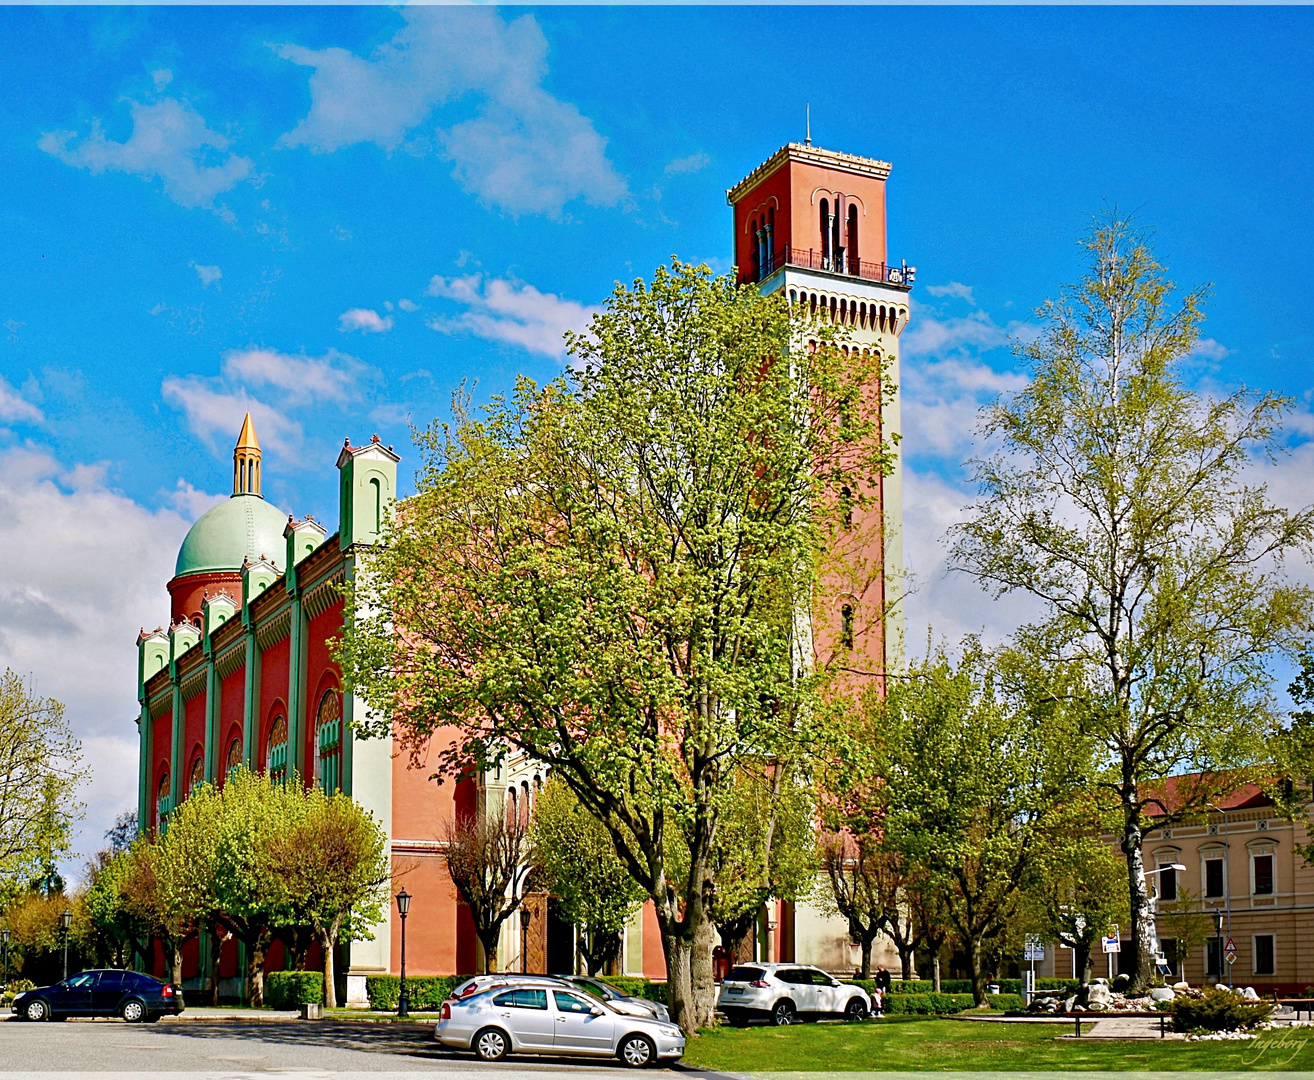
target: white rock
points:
(1099, 992)
(1249, 994)
(1183, 985)
(1162, 993)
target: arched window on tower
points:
(825, 234)
(512, 808)
(855, 265)
(846, 626)
(276, 755)
(836, 240)
(328, 742)
(377, 492)
(770, 234)
(755, 241)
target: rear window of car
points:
(522, 999)
(744, 974)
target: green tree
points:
(863, 887)
(765, 847)
(487, 856)
(974, 782)
(607, 573)
(331, 866)
(1078, 891)
(575, 860)
(40, 770)
(1118, 499)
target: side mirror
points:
(597, 1010)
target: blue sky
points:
(334, 215)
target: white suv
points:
(784, 993)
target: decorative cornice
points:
(161, 704)
(324, 593)
(808, 155)
(275, 628)
(193, 683)
(229, 660)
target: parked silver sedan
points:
(542, 1018)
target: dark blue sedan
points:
(136, 997)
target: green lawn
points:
(886, 1046)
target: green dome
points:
(243, 527)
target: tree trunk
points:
(975, 964)
(327, 937)
(1084, 962)
(864, 972)
(905, 962)
(212, 976)
(489, 939)
(255, 968)
(175, 965)
(935, 972)
(1141, 936)
(679, 986)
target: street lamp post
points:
(1218, 936)
(65, 921)
(4, 940)
(1176, 868)
(1227, 888)
(403, 906)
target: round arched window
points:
(276, 755)
(328, 741)
(197, 776)
(234, 759)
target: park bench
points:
(1305, 1005)
(1118, 1014)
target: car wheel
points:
(36, 1010)
(134, 1011)
(783, 1013)
(856, 1009)
(491, 1044)
(637, 1051)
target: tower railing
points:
(900, 276)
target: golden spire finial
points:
(246, 460)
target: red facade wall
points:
(431, 945)
(232, 704)
(273, 690)
(186, 593)
(193, 737)
(321, 672)
(161, 750)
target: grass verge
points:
(940, 1045)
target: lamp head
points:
(4, 935)
(1176, 868)
(403, 902)
(66, 919)
(1218, 922)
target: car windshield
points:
(744, 974)
(599, 990)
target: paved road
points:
(225, 1050)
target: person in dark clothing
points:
(882, 980)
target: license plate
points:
(734, 989)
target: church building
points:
(244, 672)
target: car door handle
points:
(506, 1014)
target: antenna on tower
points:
(808, 141)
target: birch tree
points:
(1126, 504)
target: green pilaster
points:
(144, 768)
(251, 699)
(211, 717)
(296, 681)
(175, 750)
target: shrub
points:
(926, 1004)
(292, 989)
(426, 992)
(1004, 1002)
(1219, 1010)
(638, 987)
(14, 988)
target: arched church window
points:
(163, 804)
(846, 626)
(197, 776)
(378, 504)
(328, 742)
(234, 760)
(276, 756)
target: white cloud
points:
(214, 413)
(169, 140)
(162, 77)
(500, 309)
(13, 326)
(1209, 349)
(208, 274)
(303, 379)
(408, 305)
(525, 152)
(691, 164)
(955, 289)
(84, 570)
(366, 320)
(192, 502)
(16, 409)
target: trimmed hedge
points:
(292, 989)
(964, 986)
(927, 1003)
(638, 987)
(1005, 1002)
(426, 992)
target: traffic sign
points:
(1111, 942)
(1033, 949)
(1229, 951)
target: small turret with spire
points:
(246, 461)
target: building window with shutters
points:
(328, 742)
(276, 755)
(1265, 954)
